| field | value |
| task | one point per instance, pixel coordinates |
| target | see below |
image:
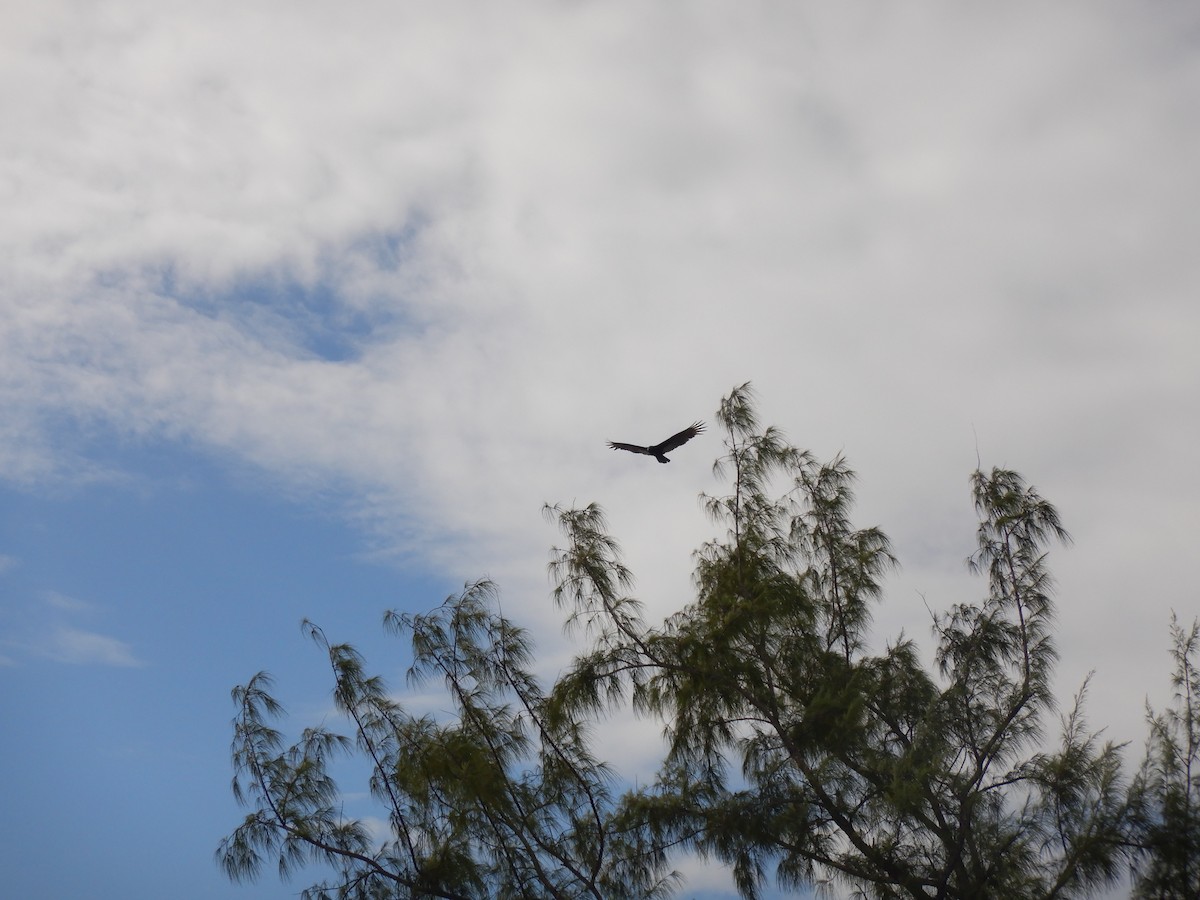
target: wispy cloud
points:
(47, 629)
(56, 600)
(592, 222)
(85, 648)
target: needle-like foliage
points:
(1167, 789)
(795, 751)
(500, 800)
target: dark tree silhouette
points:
(1166, 792)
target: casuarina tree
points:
(800, 748)
(1167, 788)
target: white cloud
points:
(86, 648)
(60, 601)
(379, 830)
(47, 630)
(568, 223)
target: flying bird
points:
(658, 450)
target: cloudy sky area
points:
(306, 309)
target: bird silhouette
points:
(658, 451)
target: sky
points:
(306, 309)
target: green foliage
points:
(501, 801)
(792, 746)
(795, 750)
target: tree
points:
(793, 749)
(1167, 788)
(501, 801)
(850, 765)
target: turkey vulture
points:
(657, 451)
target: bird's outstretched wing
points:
(678, 440)
(632, 448)
(658, 450)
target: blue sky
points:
(306, 310)
(119, 746)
